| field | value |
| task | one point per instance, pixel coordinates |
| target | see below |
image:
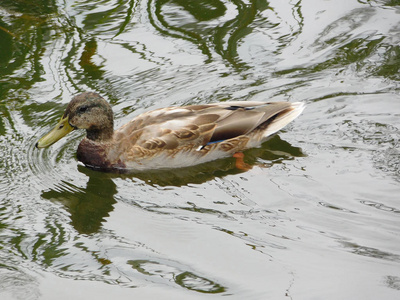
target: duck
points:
(172, 137)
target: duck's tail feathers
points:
(283, 118)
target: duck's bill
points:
(62, 129)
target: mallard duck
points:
(170, 137)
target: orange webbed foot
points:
(240, 164)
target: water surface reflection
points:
(318, 209)
(88, 206)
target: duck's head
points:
(85, 111)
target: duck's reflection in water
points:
(88, 206)
(91, 205)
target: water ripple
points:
(210, 229)
(185, 279)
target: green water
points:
(318, 215)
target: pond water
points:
(317, 216)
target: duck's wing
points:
(247, 117)
(198, 125)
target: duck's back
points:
(184, 136)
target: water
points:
(318, 215)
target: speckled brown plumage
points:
(171, 137)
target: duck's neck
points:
(100, 135)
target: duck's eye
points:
(83, 108)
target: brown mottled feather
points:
(175, 136)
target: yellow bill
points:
(62, 129)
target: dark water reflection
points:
(90, 206)
(318, 209)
